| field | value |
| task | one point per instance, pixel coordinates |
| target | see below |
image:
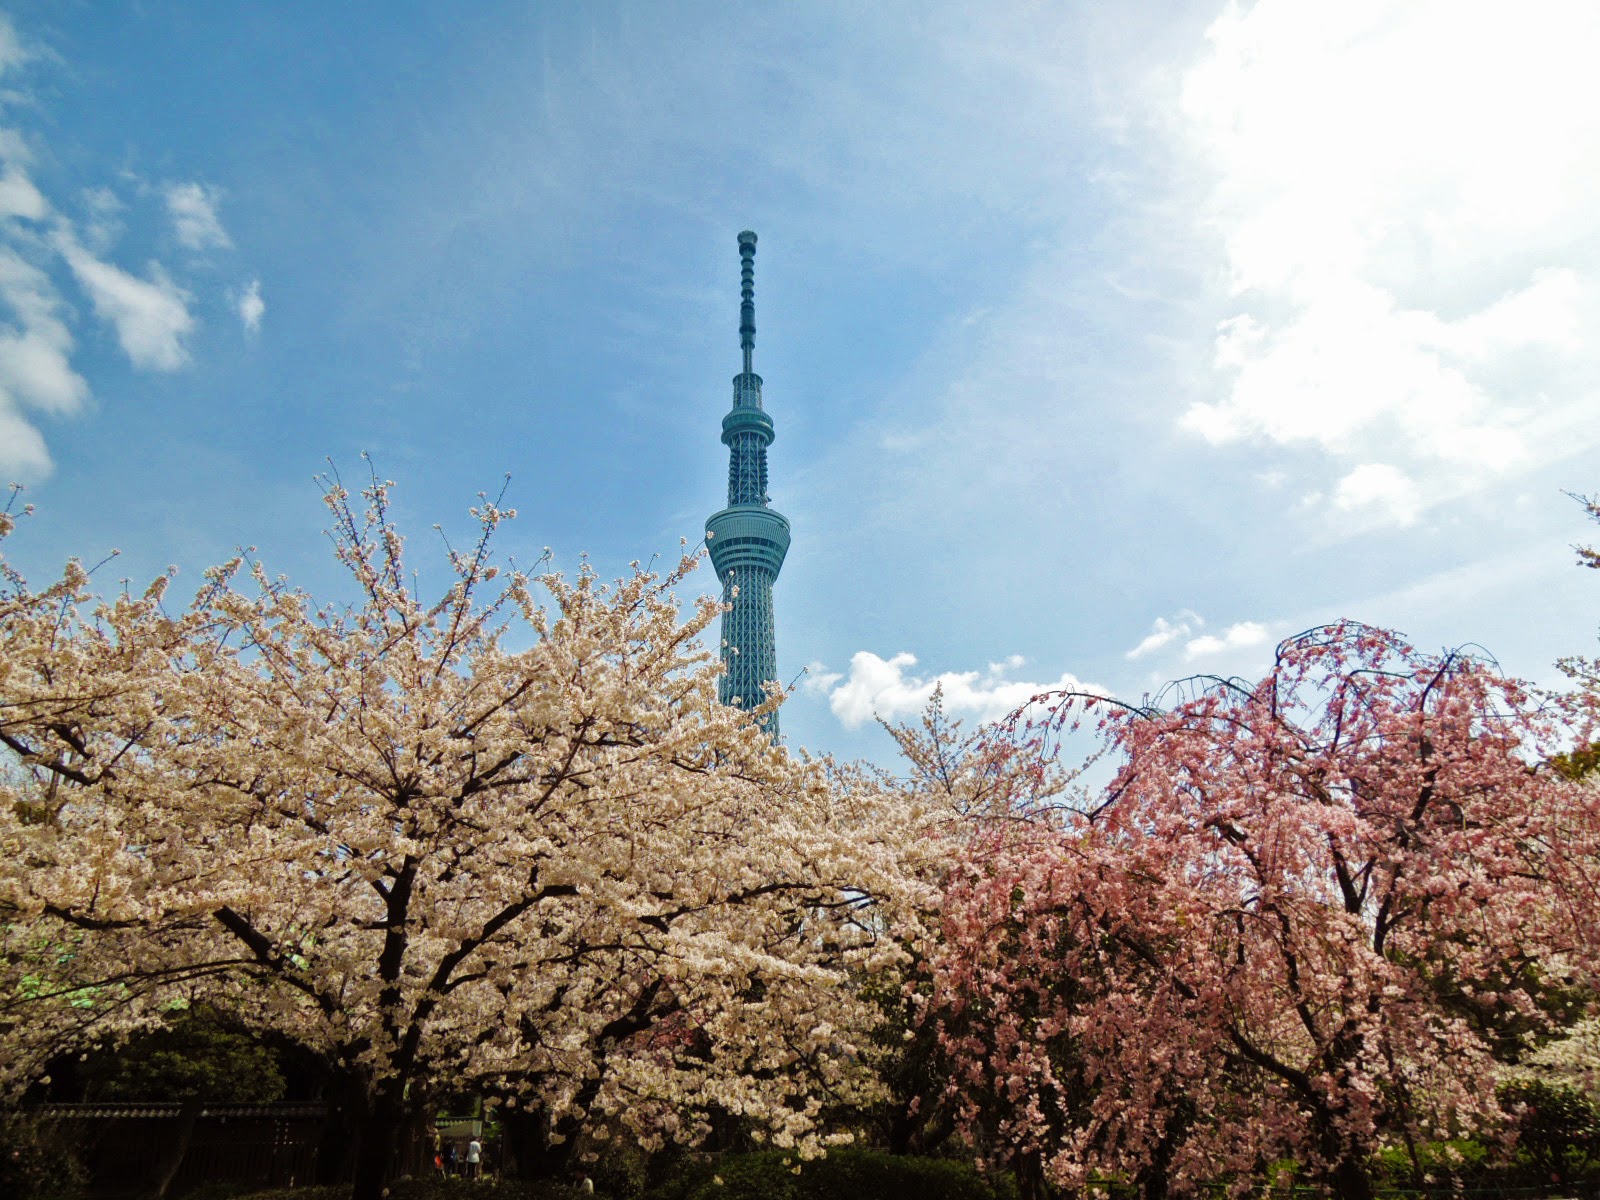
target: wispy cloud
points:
(193, 209)
(252, 307)
(1243, 636)
(1182, 632)
(1379, 486)
(102, 224)
(880, 688)
(818, 680)
(35, 355)
(151, 316)
(1164, 632)
(23, 454)
(47, 250)
(35, 365)
(18, 196)
(36, 343)
(13, 51)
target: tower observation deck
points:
(747, 539)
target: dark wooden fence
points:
(123, 1145)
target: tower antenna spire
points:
(747, 296)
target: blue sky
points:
(1105, 343)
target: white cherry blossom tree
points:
(471, 839)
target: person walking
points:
(474, 1157)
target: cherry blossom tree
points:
(957, 781)
(1305, 920)
(472, 841)
(1588, 556)
(1583, 697)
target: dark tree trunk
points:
(901, 1126)
(1346, 1174)
(341, 1129)
(1029, 1172)
(1350, 1180)
(379, 1135)
(173, 1159)
(930, 1139)
(1155, 1178)
(917, 1133)
(533, 1147)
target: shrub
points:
(1455, 1162)
(234, 1189)
(847, 1173)
(1558, 1130)
(618, 1169)
(434, 1189)
(37, 1162)
(764, 1175)
(466, 1189)
(678, 1174)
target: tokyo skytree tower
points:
(747, 539)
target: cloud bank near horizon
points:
(877, 688)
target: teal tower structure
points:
(747, 539)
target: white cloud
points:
(18, 196)
(35, 364)
(22, 449)
(35, 343)
(103, 218)
(818, 679)
(1183, 629)
(1164, 632)
(1403, 193)
(193, 209)
(151, 316)
(882, 688)
(252, 306)
(35, 368)
(1243, 636)
(1381, 488)
(12, 50)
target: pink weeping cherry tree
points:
(1306, 919)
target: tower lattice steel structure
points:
(748, 540)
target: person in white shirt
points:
(474, 1158)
